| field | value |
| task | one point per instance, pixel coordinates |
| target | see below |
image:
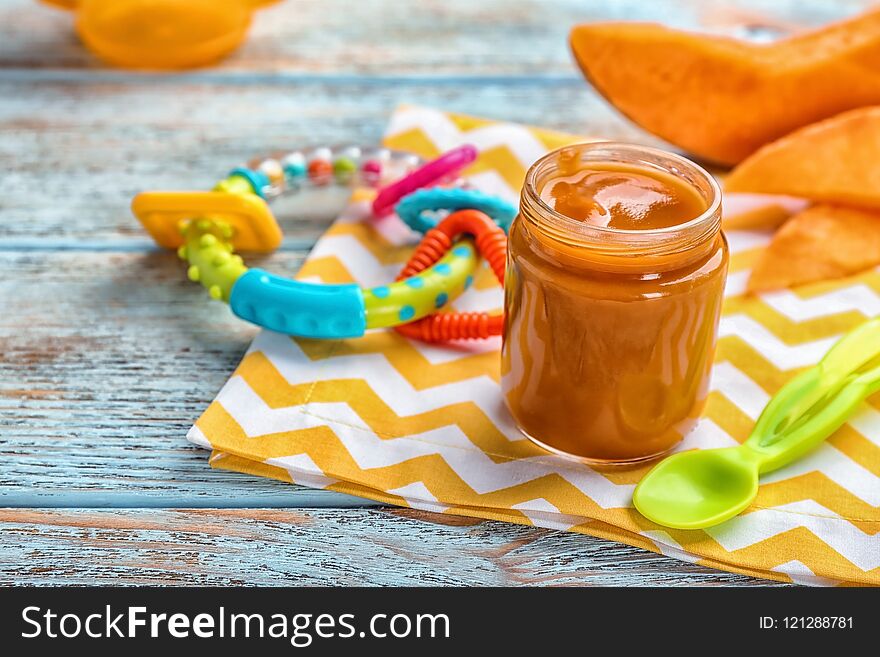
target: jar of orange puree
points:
(615, 274)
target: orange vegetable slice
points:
(721, 99)
(822, 242)
(836, 160)
(759, 211)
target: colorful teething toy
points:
(206, 227)
(161, 34)
(492, 244)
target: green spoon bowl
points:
(699, 489)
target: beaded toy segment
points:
(349, 166)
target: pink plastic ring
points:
(431, 173)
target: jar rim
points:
(705, 224)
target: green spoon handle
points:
(818, 401)
(793, 444)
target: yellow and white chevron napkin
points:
(423, 426)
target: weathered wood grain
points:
(75, 164)
(498, 37)
(315, 547)
(107, 358)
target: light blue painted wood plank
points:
(279, 78)
(227, 494)
(114, 245)
(107, 359)
(95, 156)
(317, 547)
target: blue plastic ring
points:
(412, 208)
(257, 179)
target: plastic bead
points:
(241, 199)
(235, 184)
(273, 170)
(320, 171)
(294, 166)
(344, 168)
(371, 171)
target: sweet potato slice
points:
(721, 99)
(759, 211)
(836, 160)
(822, 242)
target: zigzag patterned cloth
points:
(423, 426)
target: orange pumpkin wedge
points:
(721, 99)
(836, 160)
(823, 242)
(759, 211)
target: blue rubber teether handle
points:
(308, 310)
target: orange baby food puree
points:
(616, 269)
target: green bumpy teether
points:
(208, 250)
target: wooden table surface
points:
(107, 354)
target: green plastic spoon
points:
(697, 489)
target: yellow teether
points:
(251, 222)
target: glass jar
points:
(610, 334)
